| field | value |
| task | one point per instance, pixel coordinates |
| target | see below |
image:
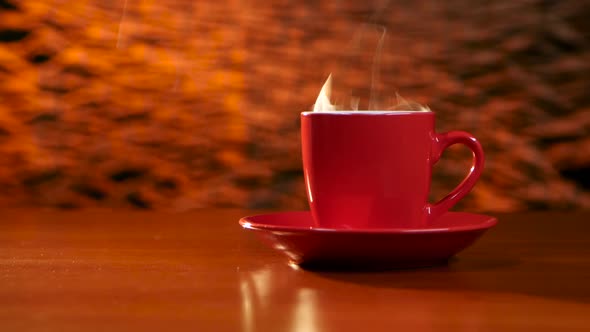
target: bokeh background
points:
(183, 104)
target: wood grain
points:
(126, 271)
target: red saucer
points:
(294, 234)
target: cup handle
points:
(440, 143)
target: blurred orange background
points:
(183, 104)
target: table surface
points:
(199, 271)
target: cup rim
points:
(352, 112)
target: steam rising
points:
(323, 103)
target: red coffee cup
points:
(372, 169)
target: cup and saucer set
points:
(368, 175)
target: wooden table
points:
(199, 271)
